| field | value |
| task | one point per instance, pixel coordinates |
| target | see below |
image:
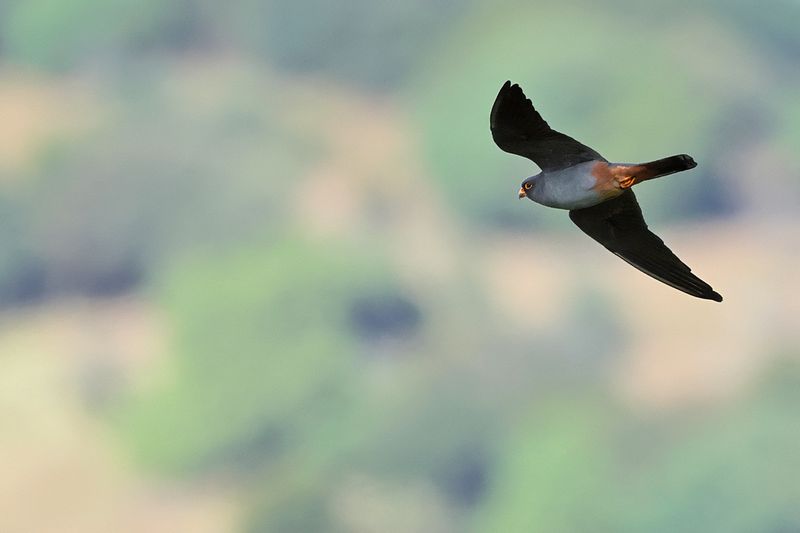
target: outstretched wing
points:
(618, 225)
(519, 129)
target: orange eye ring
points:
(527, 186)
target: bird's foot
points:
(626, 182)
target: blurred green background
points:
(262, 269)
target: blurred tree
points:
(570, 469)
(771, 26)
(376, 44)
(100, 212)
(553, 475)
(22, 270)
(59, 35)
(734, 474)
(258, 334)
(383, 317)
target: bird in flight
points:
(598, 194)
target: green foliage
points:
(376, 44)
(102, 211)
(734, 474)
(553, 474)
(771, 26)
(56, 34)
(569, 468)
(257, 335)
(264, 383)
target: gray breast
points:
(570, 188)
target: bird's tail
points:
(666, 166)
(655, 169)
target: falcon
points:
(598, 194)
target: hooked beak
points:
(522, 193)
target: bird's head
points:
(527, 187)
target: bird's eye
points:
(528, 186)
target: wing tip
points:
(709, 294)
(701, 289)
(508, 86)
(502, 95)
(715, 296)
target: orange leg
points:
(626, 182)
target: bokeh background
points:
(262, 269)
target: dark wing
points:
(618, 225)
(519, 129)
